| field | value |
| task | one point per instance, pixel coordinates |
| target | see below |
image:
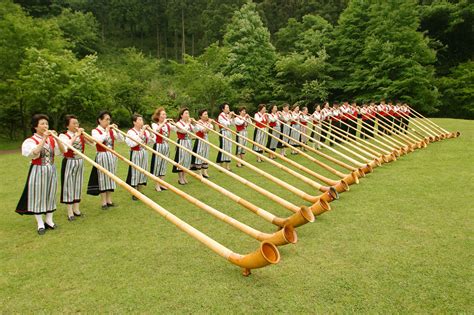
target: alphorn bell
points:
(410, 139)
(319, 206)
(330, 191)
(265, 255)
(282, 237)
(297, 219)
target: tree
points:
(251, 56)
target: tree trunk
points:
(192, 45)
(176, 44)
(183, 39)
(157, 40)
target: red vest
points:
(261, 124)
(137, 147)
(159, 139)
(101, 149)
(37, 161)
(70, 153)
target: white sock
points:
(39, 220)
(49, 219)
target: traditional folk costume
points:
(274, 123)
(259, 135)
(405, 115)
(285, 118)
(241, 124)
(295, 129)
(224, 122)
(304, 126)
(183, 157)
(98, 181)
(325, 123)
(352, 121)
(335, 124)
(72, 169)
(316, 119)
(158, 164)
(39, 194)
(200, 147)
(138, 155)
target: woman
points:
(138, 154)
(241, 122)
(317, 117)
(39, 194)
(295, 127)
(274, 124)
(304, 118)
(183, 157)
(72, 167)
(99, 183)
(162, 127)
(201, 129)
(285, 118)
(224, 121)
(259, 135)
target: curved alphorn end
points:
(266, 254)
(320, 207)
(397, 152)
(367, 169)
(287, 235)
(351, 178)
(329, 195)
(373, 164)
(391, 157)
(360, 172)
(386, 158)
(455, 134)
(342, 185)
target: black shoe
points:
(205, 176)
(77, 214)
(134, 198)
(163, 188)
(71, 218)
(105, 207)
(41, 231)
(111, 205)
(51, 227)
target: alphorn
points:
(332, 190)
(339, 135)
(411, 142)
(363, 168)
(265, 255)
(305, 196)
(297, 219)
(282, 237)
(438, 127)
(369, 146)
(318, 207)
(349, 179)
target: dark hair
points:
(294, 106)
(222, 106)
(260, 106)
(270, 107)
(202, 111)
(67, 119)
(35, 120)
(285, 105)
(135, 117)
(102, 115)
(302, 108)
(156, 115)
(241, 108)
(181, 112)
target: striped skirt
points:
(260, 137)
(241, 139)
(39, 194)
(285, 130)
(183, 157)
(304, 136)
(72, 177)
(158, 164)
(202, 149)
(98, 181)
(226, 145)
(295, 135)
(135, 177)
(272, 142)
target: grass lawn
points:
(398, 242)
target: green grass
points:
(7, 144)
(400, 241)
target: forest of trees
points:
(80, 56)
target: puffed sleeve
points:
(97, 136)
(27, 148)
(135, 139)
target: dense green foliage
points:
(81, 56)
